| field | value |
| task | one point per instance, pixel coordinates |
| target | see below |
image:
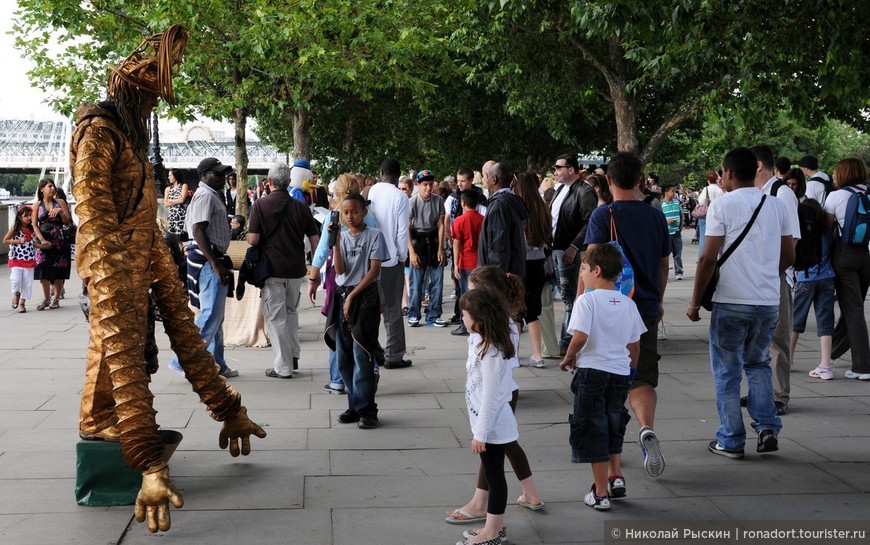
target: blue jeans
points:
(568, 275)
(463, 283)
(701, 228)
(357, 368)
(434, 289)
(677, 251)
(739, 339)
(212, 302)
(335, 380)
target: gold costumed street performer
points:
(120, 255)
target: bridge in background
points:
(42, 147)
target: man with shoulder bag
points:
(278, 226)
(754, 230)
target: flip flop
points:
(521, 501)
(463, 517)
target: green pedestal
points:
(102, 479)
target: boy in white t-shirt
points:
(606, 328)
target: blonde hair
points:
(345, 185)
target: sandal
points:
(15, 299)
(44, 305)
(21, 309)
(459, 516)
(55, 303)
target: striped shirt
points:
(672, 211)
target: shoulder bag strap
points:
(613, 233)
(737, 242)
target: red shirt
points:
(466, 229)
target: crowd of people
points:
(792, 238)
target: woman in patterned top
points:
(174, 199)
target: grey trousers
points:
(780, 348)
(391, 285)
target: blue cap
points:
(302, 163)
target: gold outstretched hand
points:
(152, 502)
(239, 429)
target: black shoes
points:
(397, 364)
(460, 331)
(719, 450)
(368, 422)
(348, 417)
(767, 442)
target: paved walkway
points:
(313, 481)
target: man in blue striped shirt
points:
(673, 214)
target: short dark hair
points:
(390, 167)
(809, 161)
(763, 153)
(742, 162)
(606, 256)
(783, 164)
(625, 169)
(469, 198)
(240, 219)
(667, 187)
(465, 171)
(570, 161)
(502, 173)
(356, 197)
(653, 176)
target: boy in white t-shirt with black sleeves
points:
(606, 328)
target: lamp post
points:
(156, 159)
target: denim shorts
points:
(600, 416)
(819, 293)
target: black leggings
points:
(492, 462)
(514, 452)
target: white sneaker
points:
(859, 376)
(653, 461)
(824, 373)
(679, 277)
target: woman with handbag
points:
(52, 223)
(707, 195)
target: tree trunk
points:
(240, 121)
(301, 134)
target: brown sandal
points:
(21, 308)
(55, 303)
(44, 305)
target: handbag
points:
(68, 234)
(700, 211)
(707, 298)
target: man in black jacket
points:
(501, 241)
(573, 203)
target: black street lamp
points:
(160, 179)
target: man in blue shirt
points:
(643, 235)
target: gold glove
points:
(153, 499)
(237, 428)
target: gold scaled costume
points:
(120, 255)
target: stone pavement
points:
(313, 481)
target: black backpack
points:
(808, 251)
(829, 185)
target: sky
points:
(18, 100)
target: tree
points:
(659, 65)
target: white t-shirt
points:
(836, 202)
(557, 203)
(751, 274)
(488, 390)
(389, 206)
(611, 321)
(816, 189)
(709, 194)
(787, 196)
